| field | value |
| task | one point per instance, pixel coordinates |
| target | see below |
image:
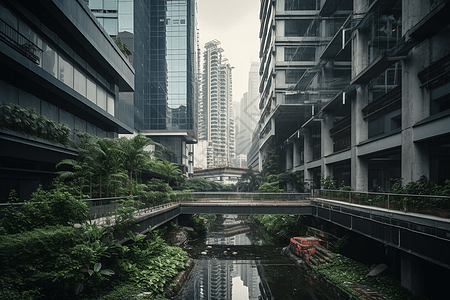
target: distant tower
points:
(216, 123)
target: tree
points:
(250, 180)
(135, 156)
(168, 169)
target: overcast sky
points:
(235, 23)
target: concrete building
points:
(295, 81)
(215, 110)
(163, 38)
(387, 119)
(56, 58)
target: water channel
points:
(236, 262)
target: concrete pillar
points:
(359, 165)
(359, 128)
(415, 107)
(289, 161)
(412, 274)
(308, 156)
(295, 153)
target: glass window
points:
(101, 97)
(299, 28)
(299, 53)
(299, 4)
(79, 82)
(110, 4)
(110, 104)
(65, 73)
(49, 59)
(96, 4)
(8, 17)
(91, 90)
(294, 75)
(110, 26)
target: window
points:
(299, 28)
(65, 73)
(299, 4)
(294, 75)
(440, 99)
(299, 53)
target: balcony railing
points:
(424, 204)
(19, 42)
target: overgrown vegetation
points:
(28, 122)
(203, 185)
(281, 226)
(341, 269)
(44, 256)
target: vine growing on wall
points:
(28, 122)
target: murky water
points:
(234, 262)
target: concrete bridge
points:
(421, 235)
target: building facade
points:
(215, 110)
(162, 36)
(382, 110)
(57, 59)
(247, 115)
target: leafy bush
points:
(41, 262)
(28, 122)
(45, 208)
(342, 269)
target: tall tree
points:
(135, 156)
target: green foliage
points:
(423, 186)
(271, 166)
(199, 224)
(337, 245)
(45, 208)
(328, 183)
(342, 269)
(272, 187)
(40, 262)
(283, 226)
(294, 179)
(203, 185)
(122, 47)
(250, 180)
(28, 122)
(149, 263)
(168, 169)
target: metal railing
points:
(412, 203)
(239, 197)
(20, 42)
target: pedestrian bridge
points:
(421, 235)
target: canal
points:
(236, 262)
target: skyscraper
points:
(163, 38)
(216, 124)
(248, 110)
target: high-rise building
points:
(216, 123)
(295, 82)
(162, 36)
(365, 83)
(248, 112)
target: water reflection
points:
(234, 263)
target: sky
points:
(235, 23)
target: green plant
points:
(28, 122)
(97, 270)
(45, 208)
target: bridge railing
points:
(424, 204)
(245, 197)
